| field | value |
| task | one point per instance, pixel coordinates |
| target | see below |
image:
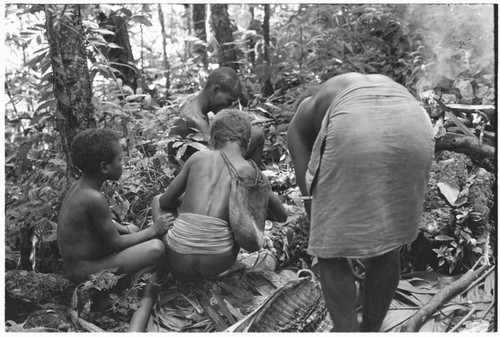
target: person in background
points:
(362, 149)
(221, 90)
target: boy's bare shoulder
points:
(203, 155)
(86, 197)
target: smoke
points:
(458, 41)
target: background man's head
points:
(223, 88)
(92, 147)
(230, 125)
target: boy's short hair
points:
(93, 146)
(230, 125)
(226, 77)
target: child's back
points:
(78, 237)
(202, 242)
(208, 182)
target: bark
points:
(187, 17)
(72, 86)
(267, 87)
(464, 144)
(166, 63)
(123, 56)
(200, 31)
(221, 26)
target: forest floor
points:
(285, 278)
(458, 229)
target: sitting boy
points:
(201, 242)
(89, 240)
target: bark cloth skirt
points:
(368, 172)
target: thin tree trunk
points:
(123, 56)
(166, 64)
(267, 87)
(200, 30)
(221, 26)
(187, 20)
(72, 86)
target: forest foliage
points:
(444, 48)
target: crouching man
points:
(202, 242)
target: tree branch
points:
(464, 144)
(443, 296)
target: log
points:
(469, 108)
(488, 135)
(464, 144)
(140, 318)
(442, 297)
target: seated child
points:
(201, 242)
(88, 239)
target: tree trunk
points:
(200, 31)
(164, 45)
(267, 87)
(72, 86)
(221, 26)
(123, 56)
(187, 18)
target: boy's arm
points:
(101, 221)
(169, 200)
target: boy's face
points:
(224, 99)
(115, 166)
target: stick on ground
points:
(442, 297)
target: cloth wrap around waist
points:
(200, 234)
(368, 172)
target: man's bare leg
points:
(339, 291)
(381, 282)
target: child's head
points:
(223, 88)
(230, 125)
(92, 147)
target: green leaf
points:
(198, 146)
(142, 20)
(64, 98)
(102, 31)
(42, 106)
(406, 286)
(114, 45)
(443, 238)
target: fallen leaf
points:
(452, 194)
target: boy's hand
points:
(163, 224)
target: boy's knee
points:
(156, 249)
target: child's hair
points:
(230, 125)
(226, 77)
(93, 146)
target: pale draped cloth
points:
(200, 234)
(368, 172)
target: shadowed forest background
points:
(129, 67)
